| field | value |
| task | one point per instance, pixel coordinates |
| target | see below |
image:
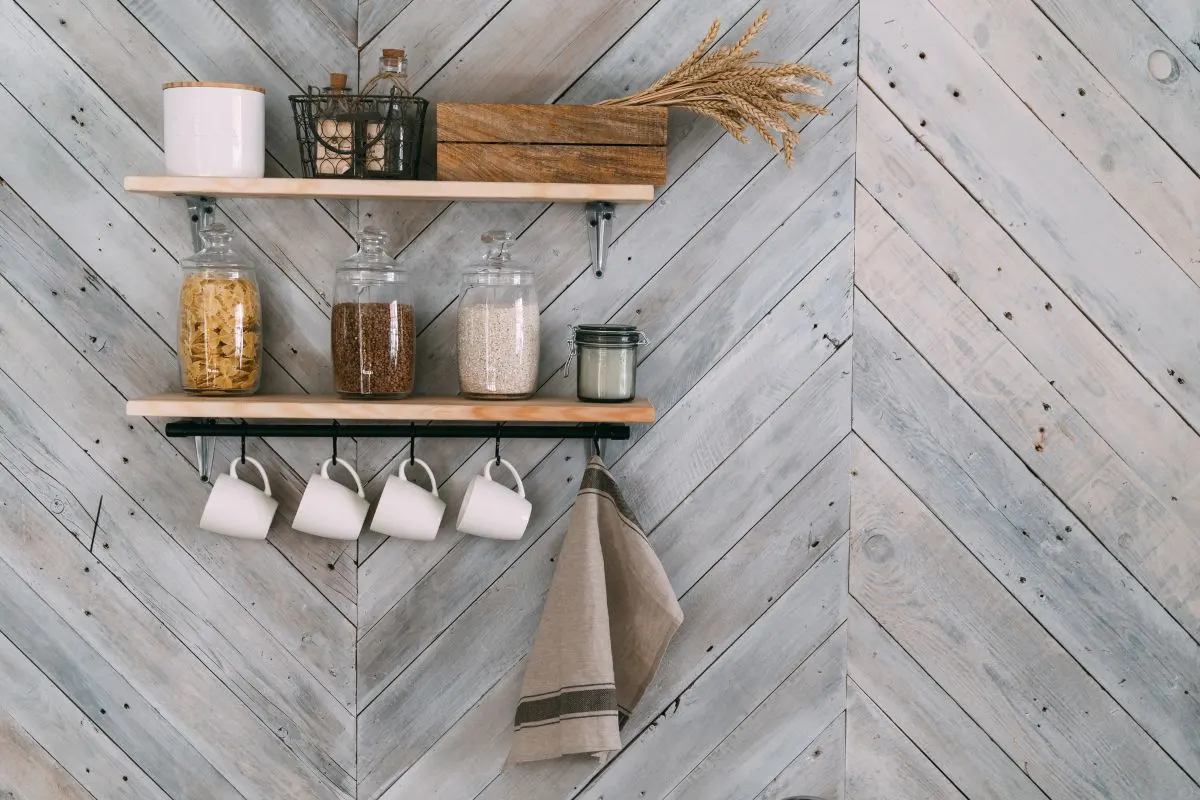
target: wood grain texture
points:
(534, 123)
(1103, 130)
(1180, 20)
(1056, 444)
(764, 743)
(991, 656)
(105, 649)
(887, 762)
(166, 186)
(1101, 258)
(1018, 529)
(48, 716)
(993, 272)
(1120, 41)
(27, 764)
(551, 163)
(818, 772)
(327, 407)
(929, 717)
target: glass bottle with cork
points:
(388, 132)
(334, 150)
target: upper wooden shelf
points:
(331, 407)
(351, 189)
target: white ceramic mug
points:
(214, 129)
(329, 509)
(237, 508)
(495, 511)
(407, 511)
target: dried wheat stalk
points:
(729, 86)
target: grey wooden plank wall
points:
(1015, 611)
(143, 658)
(1024, 555)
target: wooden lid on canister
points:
(214, 85)
(337, 80)
(393, 53)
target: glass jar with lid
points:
(606, 362)
(220, 319)
(373, 331)
(498, 326)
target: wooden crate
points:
(551, 143)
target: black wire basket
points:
(359, 136)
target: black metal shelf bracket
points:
(206, 431)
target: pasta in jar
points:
(220, 321)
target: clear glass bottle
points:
(220, 319)
(498, 326)
(387, 144)
(373, 333)
(334, 150)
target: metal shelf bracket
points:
(202, 211)
(600, 216)
(206, 446)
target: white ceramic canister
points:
(214, 130)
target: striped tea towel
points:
(607, 621)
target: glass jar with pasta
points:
(220, 319)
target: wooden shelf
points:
(446, 409)
(168, 186)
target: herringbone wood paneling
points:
(1023, 542)
(149, 659)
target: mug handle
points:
(428, 471)
(350, 469)
(487, 473)
(233, 465)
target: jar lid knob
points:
(499, 243)
(215, 234)
(372, 237)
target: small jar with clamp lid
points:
(373, 331)
(498, 326)
(220, 319)
(606, 362)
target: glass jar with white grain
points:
(498, 326)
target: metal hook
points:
(498, 445)
(243, 441)
(335, 435)
(597, 447)
(412, 443)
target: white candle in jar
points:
(606, 373)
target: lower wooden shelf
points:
(446, 409)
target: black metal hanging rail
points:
(401, 430)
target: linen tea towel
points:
(608, 619)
